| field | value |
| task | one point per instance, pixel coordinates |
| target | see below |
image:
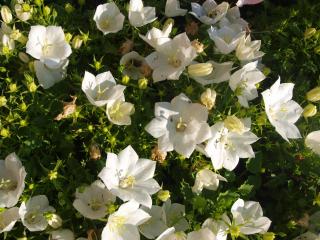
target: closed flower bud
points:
(208, 98)
(310, 32)
(269, 236)
(46, 11)
(38, 2)
(3, 101)
(309, 111)
(23, 57)
(234, 124)
(13, 87)
(69, 8)
(4, 132)
(314, 95)
(77, 42)
(82, 2)
(200, 69)
(163, 195)
(54, 220)
(143, 83)
(198, 46)
(125, 79)
(68, 37)
(6, 14)
(32, 87)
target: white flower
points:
(218, 228)
(129, 177)
(12, 175)
(220, 73)
(179, 125)
(108, 18)
(248, 50)
(243, 82)
(132, 63)
(24, 11)
(32, 213)
(171, 58)
(202, 234)
(210, 12)
(140, 15)
(156, 37)
(92, 202)
(240, 3)
(173, 9)
(48, 45)
(6, 42)
(226, 39)
(169, 215)
(281, 110)
(170, 234)
(8, 218)
(119, 112)
(308, 236)
(48, 76)
(62, 234)
(207, 179)
(234, 20)
(123, 224)
(312, 141)
(54, 220)
(101, 89)
(229, 143)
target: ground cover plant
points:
(159, 119)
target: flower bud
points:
(23, 57)
(163, 195)
(269, 236)
(4, 132)
(46, 11)
(234, 124)
(3, 101)
(314, 95)
(125, 79)
(6, 14)
(54, 220)
(77, 42)
(208, 98)
(143, 83)
(309, 111)
(13, 87)
(69, 8)
(310, 32)
(82, 2)
(32, 87)
(38, 2)
(68, 37)
(200, 69)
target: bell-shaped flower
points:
(93, 201)
(101, 89)
(6, 41)
(140, 15)
(233, 19)
(123, 224)
(218, 228)
(23, 10)
(207, 179)
(171, 58)
(171, 234)
(133, 64)
(226, 39)
(62, 234)
(312, 141)
(33, 213)
(210, 12)
(221, 72)
(243, 82)
(119, 112)
(281, 110)
(156, 37)
(230, 141)
(48, 76)
(179, 125)
(12, 175)
(173, 9)
(201, 234)
(129, 177)
(8, 218)
(248, 50)
(108, 18)
(240, 3)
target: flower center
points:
(7, 184)
(32, 217)
(234, 231)
(46, 48)
(127, 182)
(214, 13)
(105, 23)
(95, 204)
(116, 223)
(180, 125)
(174, 61)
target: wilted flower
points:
(126, 46)
(243, 83)
(226, 39)
(198, 46)
(129, 177)
(94, 151)
(281, 110)
(171, 58)
(248, 50)
(123, 224)
(108, 18)
(68, 109)
(179, 125)
(210, 12)
(8, 218)
(207, 179)
(12, 175)
(101, 89)
(119, 111)
(92, 202)
(173, 9)
(208, 98)
(314, 95)
(23, 10)
(133, 63)
(310, 110)
(6, 14)
(312, 141)
(32, 213)
(158, 155)
(192, 28)
(140, 15)
(308, 236)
